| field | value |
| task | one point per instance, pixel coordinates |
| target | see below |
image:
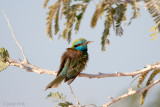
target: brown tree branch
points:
(32, 68)
(131, 92)
(119, 74)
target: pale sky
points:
(128, 53)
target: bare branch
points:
(31, 68)
(119, 74)
(131, 92)
(74, 96)
(25, 59)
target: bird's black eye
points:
(77, 45)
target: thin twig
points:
(131, 92)
(74, 96)
(25, 59)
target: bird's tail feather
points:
(56, 82)
(70, 81)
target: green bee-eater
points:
(73, 61)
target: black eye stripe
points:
(77, 45)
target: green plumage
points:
(73, 61)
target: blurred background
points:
(128, 53)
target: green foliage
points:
(4, 57)
(65, 104)
(143, 96)
(115, 15)
(99, 9)
(51, 13)
(3, 66)
(135, 8)
(119, 17)
(79, 17)
(71, 17)
(59, 98)
(57, 22)
(153, 7)
(154, 30)
(107, 25)
(45, 3)
(72, 12)
(141, 80)
(56, 96)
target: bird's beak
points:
(88, 42)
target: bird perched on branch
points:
(73, 62)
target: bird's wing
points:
(77, 64)
(74, 69)
(64, 66)
(70, 56)
(64, 60)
